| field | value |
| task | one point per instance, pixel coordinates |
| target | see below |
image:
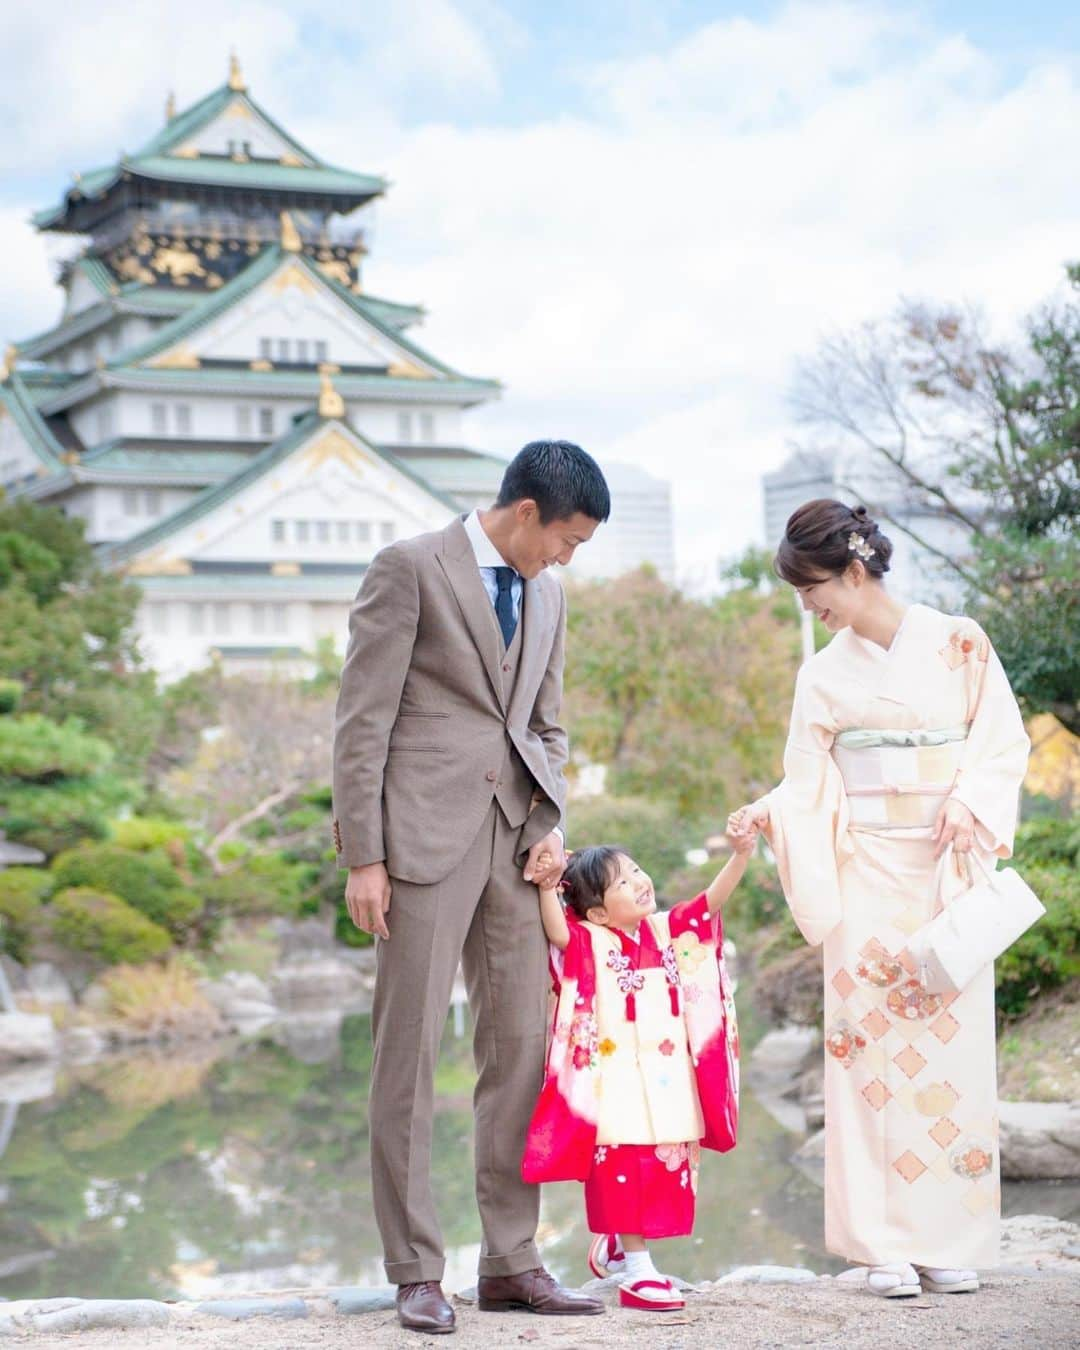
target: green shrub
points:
(263, 883)
(58, 816)
(11, 692)
(104, 926)
(22, 890)
(1048, 955)
(144, 834)
(37, 749)
(1048, 840)
(146, 881)
(655, 834)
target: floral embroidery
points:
(562, 1032)
(601, 1154)
(671, 965)
(689, 952)
(972, 1158)
(910, 1000)
(880, 972)
(962, 647)
(583, 1037)
(629, 981)
(606, 1046)
(684, 1179)
(693, 1150)
(666, 1047)
(845, 1043)
(582, 1058)
(672, 1155)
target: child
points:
(643, 1062)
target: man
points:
(448, 791)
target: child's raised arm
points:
(554, 919)
(719, 893)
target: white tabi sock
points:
(639, 1266)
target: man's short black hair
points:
(560, 478)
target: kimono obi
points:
(896, 780)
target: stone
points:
(769, 1275)
(8, 1327)
(781, 1054)
(1039, 1239)
(311, 1037)
(809, 1158)
(88, 1314)
(45, 983)
(1040, 1140)
(81, 1045)
(323, 980)
(363, 1300)
(27, 1082)
(240, 1309)
(27, 1036)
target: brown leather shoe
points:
(533, 1291)
(423, 1307)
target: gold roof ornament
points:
(170, 106)
(236, 80)
(290, 235)
(7, 365)
(331, 404)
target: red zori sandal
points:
(651, 1296)
(606, 1256)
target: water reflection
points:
(227, 1167)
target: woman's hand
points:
(749, 819)
(954, 825)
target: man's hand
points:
(367, 898)
(546, 861)
(954, 825)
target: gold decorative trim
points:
(177, 358)
(291, 161)
(294, 275)
(186, 152)
(154, 564)
(331, 404)
(285, 569)
(290, 235)
(8, 364)
(328, 368)
(261, 364)
(239, 109)
(333, 444)
(236, 79)
(406, 370)
(170, 106)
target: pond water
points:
(229, 1167)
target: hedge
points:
(103, 926)
(146, 881)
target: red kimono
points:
(642, 1069)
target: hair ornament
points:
(857, 544)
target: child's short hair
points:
(589, 872)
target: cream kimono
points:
(877, 741)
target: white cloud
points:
(643, 275)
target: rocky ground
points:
(1040, 1308)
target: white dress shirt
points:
(488, 558)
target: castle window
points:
(266, 349)
(182, 415)
(387, 531)
(243, 421)
(363, 531)
(131, 501)
(343, 531)
(404, 427)
(159, 417)
(152, 502)
(322, 531)
(221, 617)
(258, 618)
(266, 421)
(277, 531)
(301, 531)
(197, 617)
(322, 352)
(104, 421)
(284, 349)
(427, 427)
(280, 616)
(302, 351)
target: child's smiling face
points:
(628, 899)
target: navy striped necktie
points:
(504, 602)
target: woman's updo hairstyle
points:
(823, 537)
(589, 872)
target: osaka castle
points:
(240, 424)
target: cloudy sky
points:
(638, 214)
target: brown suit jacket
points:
(422, 723)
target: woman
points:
(906, 752)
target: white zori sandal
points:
(606, 1256)
(651, 1296)
(937, 1280)
(897, 1281)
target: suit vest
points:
(515, 787)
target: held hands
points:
(954, 825)
(546, 861)
(745, 824)
(367, 898)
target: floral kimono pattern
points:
(911, 1159)
(644, 1045)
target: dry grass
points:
(1039, 1055)
(157, 1002)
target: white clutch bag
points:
(974, 928)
